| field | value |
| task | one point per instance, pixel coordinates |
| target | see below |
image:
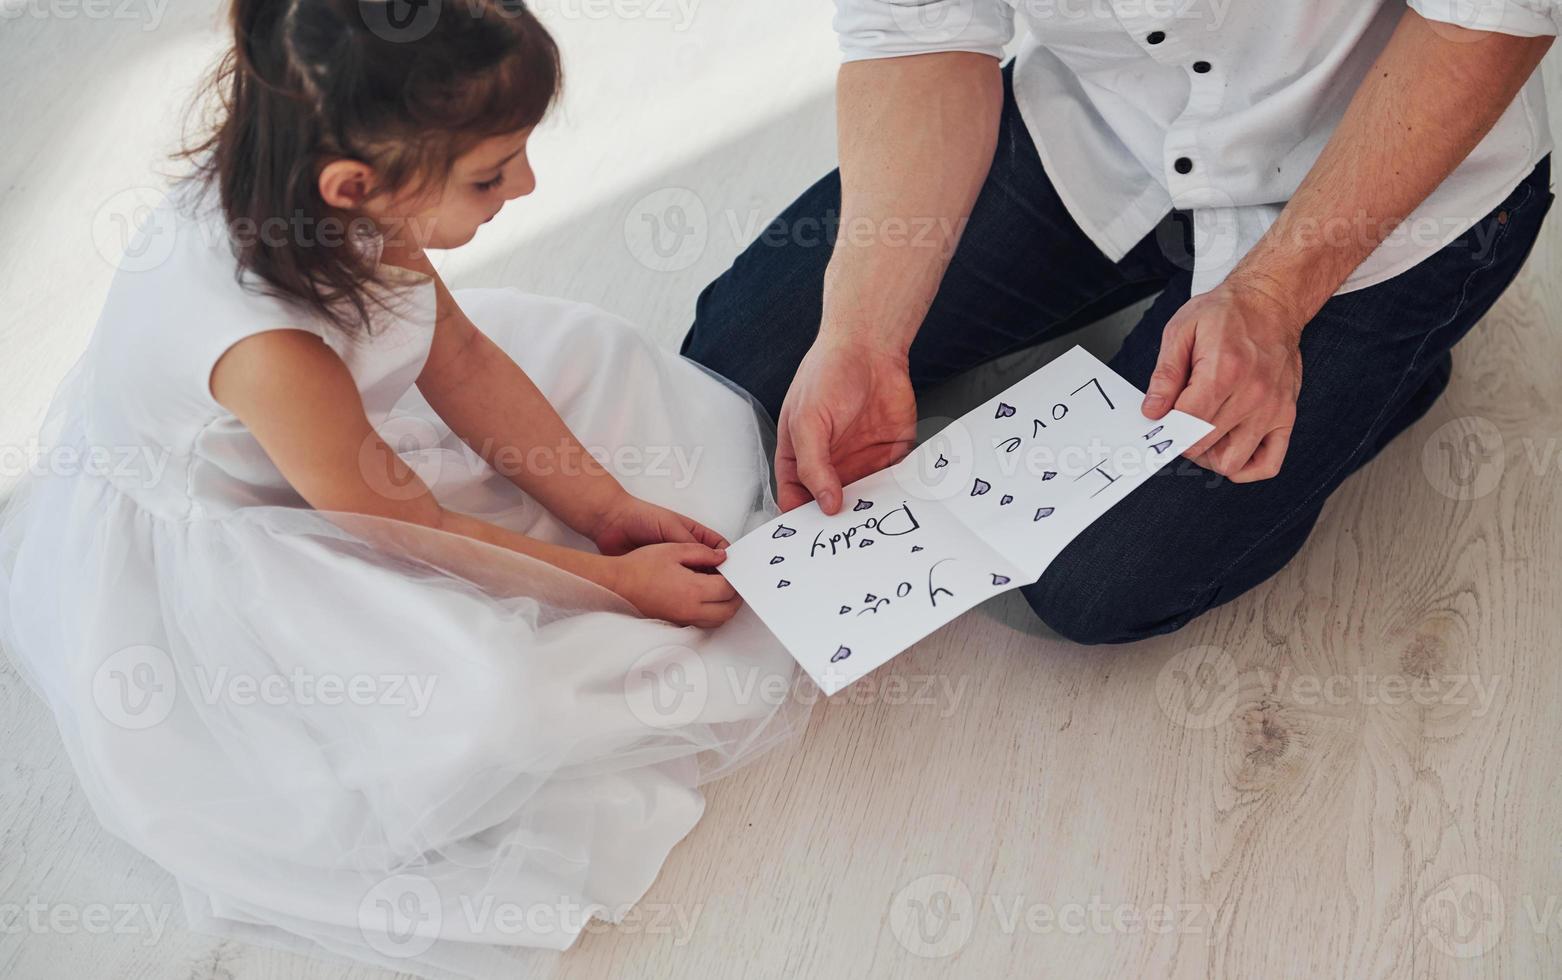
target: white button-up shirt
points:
(1218, 107)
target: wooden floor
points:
(1352, 771)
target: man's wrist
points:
(1278, 297)
(859, 333)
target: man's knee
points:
(1084, 602)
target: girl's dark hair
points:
(406, 86)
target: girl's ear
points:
(346, 184)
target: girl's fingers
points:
(707, 536)
(696, 556)
(679, 531)
(714, 588)
(713, 614)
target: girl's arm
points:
(300, 402)
(491, 404)
(495, 408)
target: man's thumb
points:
(814, 468)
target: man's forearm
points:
(917, 136)
(1431, 96)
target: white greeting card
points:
(982, 507)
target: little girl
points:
(369, 650)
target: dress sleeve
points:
(891, 28)
(171, 315)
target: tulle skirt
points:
(360, 737)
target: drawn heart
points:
(1000, 579)
(777, 560)
(782, 531)
(1004, 410)
(865, 542)
(1042, 512)
(845, 610)
(981, 487)
(941, 463)
(1007, 498)
(782, 584)
(915, 548)
(1048, 475)
(863, 504)
(841, 653)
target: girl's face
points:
(482, 181)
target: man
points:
(1356, 182)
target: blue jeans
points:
(1374, 361)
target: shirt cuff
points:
(1524, 18)
(892, 28)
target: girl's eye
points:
(488, 185)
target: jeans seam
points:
(1217, 580)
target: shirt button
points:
(1155, 37)
(1201, 66)
(1183, 165)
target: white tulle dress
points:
(354, 735)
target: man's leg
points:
(1373, 361)
(1023, 272)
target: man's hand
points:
(850, 412)
(1230, 357)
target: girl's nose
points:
(524, 186)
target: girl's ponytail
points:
(307, 81)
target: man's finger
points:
(790, 492)
(1232, 453)
(1172, 369)
(1266, 462)
(814, 469)
(1222, 416)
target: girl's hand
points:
(632, 523)
(678, 583)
